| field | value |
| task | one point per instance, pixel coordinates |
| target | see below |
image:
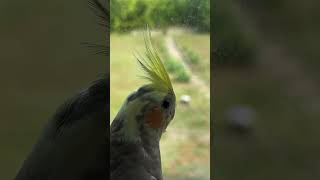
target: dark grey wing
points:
(75, 142)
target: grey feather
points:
(74, 143)
(140, 160)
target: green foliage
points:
(176, 68)
(190, 55)
(131, 14)
(172, 65)
(194, 58)
(231, 45)
(181, 75)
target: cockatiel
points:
(139, 124)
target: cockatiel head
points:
(149, 110)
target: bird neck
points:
(143, 150)
(145, 137)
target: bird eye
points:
(165, 104)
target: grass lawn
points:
(185, 146)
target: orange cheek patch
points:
(154, 118)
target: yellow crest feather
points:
(153, 66)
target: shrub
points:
(176, 68)
(194, 57)
(190, 55)
(172, 65)
(127, 15)
(182, 76)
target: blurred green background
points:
(42, 63)
(180, 31)
(266, 61)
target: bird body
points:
(73, 144)
(138, 126)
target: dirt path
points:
(176, 54)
